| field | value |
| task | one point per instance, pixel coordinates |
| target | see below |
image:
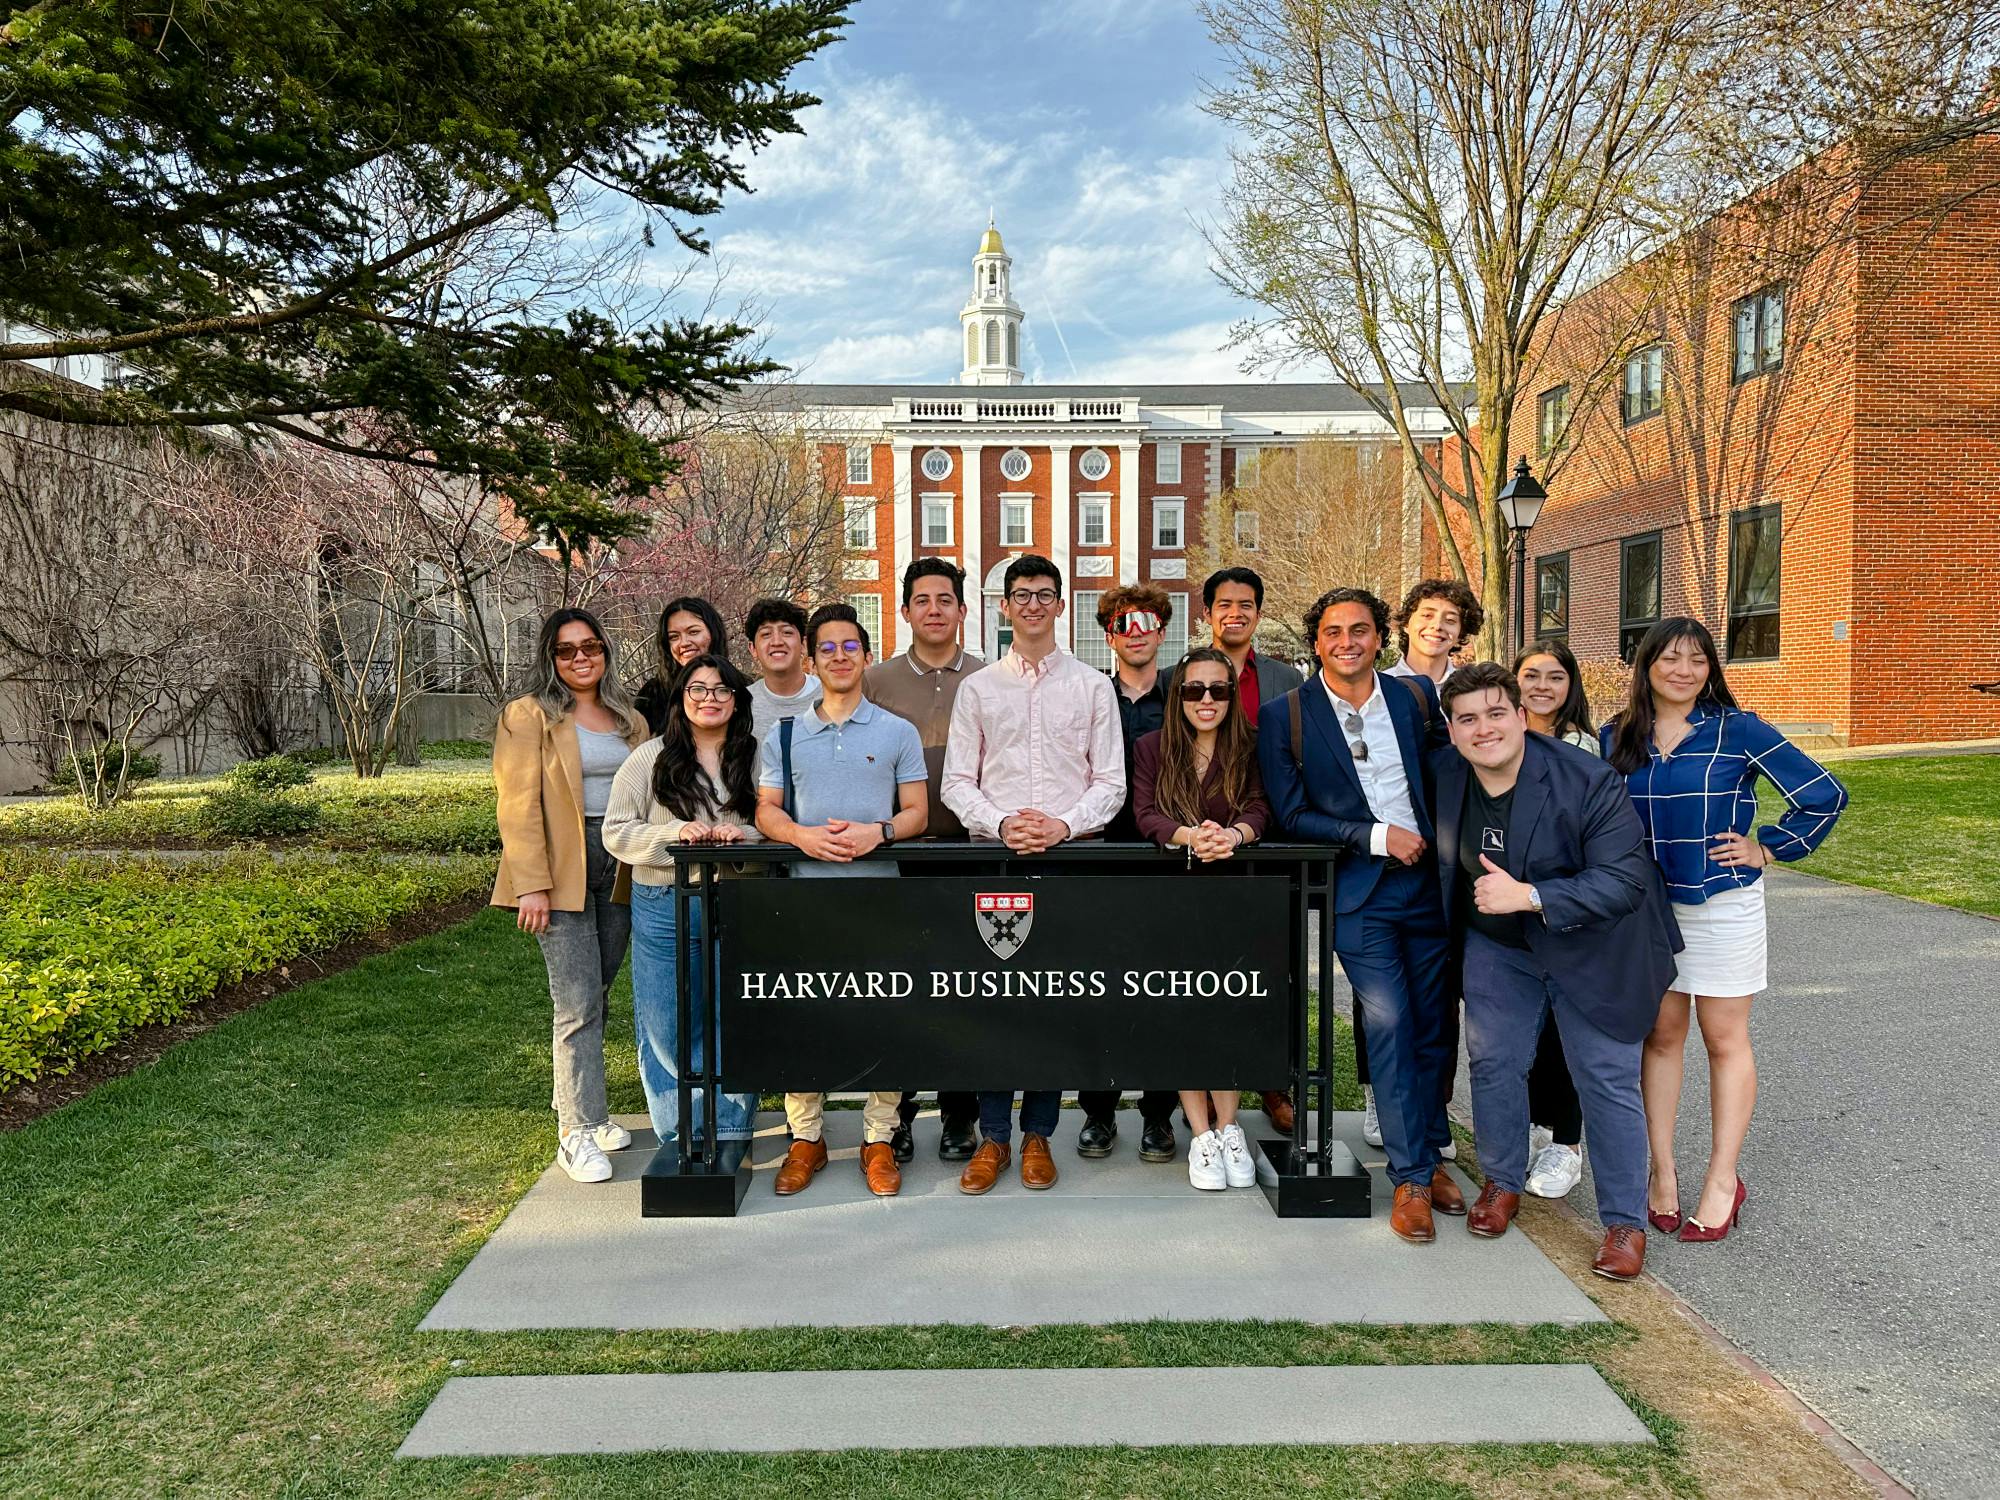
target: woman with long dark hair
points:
(1691, 758)
(556, 751)
(1195, 786)
(689, 627)
(694, 784)
(1552, 695)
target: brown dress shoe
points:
(1493, 1212)
(804, 1159)
(988, 1162)
(1623, 1255)
(878, 1166)
(1445, 1196)
(1411, 1217)
(1038, 1168)
(1278, 1109)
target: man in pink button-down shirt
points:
(1035, 756)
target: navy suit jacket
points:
(1322, 801)
(1607, 934)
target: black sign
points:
(1008, 981)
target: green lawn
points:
(1926, 826)
(215, 1267)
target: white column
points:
(1059, 548)
(970, 523)
(1128, 512)
(906, 542)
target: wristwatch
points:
(888, 831)
(1534, 901)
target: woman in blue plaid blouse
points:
(1691, 758)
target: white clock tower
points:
(991, 318)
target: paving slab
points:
(1114, 1241)
(828, 1410)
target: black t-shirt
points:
(1482, 829)
(1136, 717)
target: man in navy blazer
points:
(1544, 869)
(1357, 782)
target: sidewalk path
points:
(1861, 1277)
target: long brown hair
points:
(1177, 792)
(1632, 730)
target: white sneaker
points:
(1556, 1170)
(612, 1137)
(578, 1154)
(1371, 1123)
(1205, 1169)
(1449, 1150)
(1540, 1138)
(1238, 1169)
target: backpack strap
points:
(1294, 711)
(785, 762)
(1423, 700)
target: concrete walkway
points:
(1860, 1275)
(830, 1410)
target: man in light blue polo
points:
(855, 781)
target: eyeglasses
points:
(705, 692)
(1355, 741)
(1033, 596)
(1194, 692)
(1137, 622)
(831, 649)
(589, 650)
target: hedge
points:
(91, 949)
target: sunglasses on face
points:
(1138, 622)
(1194, 692)
(588, 650)
(1033, 596)
(703, 692)
(831, 649)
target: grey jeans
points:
(583, 951)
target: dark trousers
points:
(1507, 998)
(1448, 1078)
(1040, 1109)
(1156, 1106)
(1552, 1101)
(954, 1107)
(1396, 953)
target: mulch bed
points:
(30, 1101)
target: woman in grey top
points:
(555, 753)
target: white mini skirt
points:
(1724, 937)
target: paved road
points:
(1861, 1275)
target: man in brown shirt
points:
(921, 685)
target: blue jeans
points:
(656, 1017)
(1040, 1110)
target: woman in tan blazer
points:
(554, 756)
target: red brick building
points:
(1788, 425)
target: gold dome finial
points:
(989, 242)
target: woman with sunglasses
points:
(555, 753)
(1196, 786)
(689, 627)
(695, 784)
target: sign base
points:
(706, 1190)
(1303, 1187)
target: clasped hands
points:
(839, 840)
(1032, 831)
(1211, 841)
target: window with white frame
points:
(1090, 646)
(1169, 525)
(1015, 511)
(1167, 463)
(1014, 465)
(1094, 464)
(1246, 467)
(1093, 521)
(1246, 530)
(937, 520)
(937, 465)
(860, 463)
(868, 609)
(861, 525)
(1174, 643)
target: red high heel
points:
(1665, 1223)
(1694, 1232)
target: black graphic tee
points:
(1482, 829)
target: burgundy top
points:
(1159, 827)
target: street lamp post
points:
(1520, 501)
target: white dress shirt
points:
(1384, 782)
(1041, 734)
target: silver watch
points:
(1534, 901)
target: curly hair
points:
(1331, 597)
(1470, 615)
(1133, 596)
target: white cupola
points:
(991, 319)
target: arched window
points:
(1014, 344)
(992, 342)
(972, 343)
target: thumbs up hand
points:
(1498, 894)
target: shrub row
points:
(91, 949)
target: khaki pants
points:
(878, 1116)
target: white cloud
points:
(1179, 356)
(928, 355)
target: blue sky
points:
(1079, 124)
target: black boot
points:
(1097, 1138)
